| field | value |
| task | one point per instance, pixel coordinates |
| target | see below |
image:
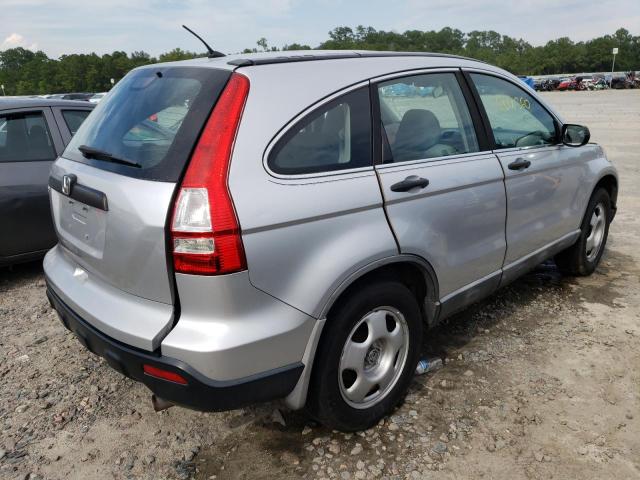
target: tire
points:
(581, 259)
(354, 329)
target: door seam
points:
(506, 214)
(384, 209)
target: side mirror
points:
(575, 135)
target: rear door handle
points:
(519, 164)
(408, 183)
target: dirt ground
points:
(542, 380)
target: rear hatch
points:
(112, 193)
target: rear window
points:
(151, 118)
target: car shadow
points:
(15, 275)
(458, 330)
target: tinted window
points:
(152, 117)
(336, 136)
(74, 118)
(425, 116)
(516, 118)
(25, 137)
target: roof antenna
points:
(211, 52)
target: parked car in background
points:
(528, 81)
(564, 84)
(598, 83)
(587, 83)
(629, 80)
(546, 84)
(553, 83)
(97, 97)
(70, 96)
(33, 132)
(240, 229)
(573, 83)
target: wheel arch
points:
(610, 183)
(412, 271)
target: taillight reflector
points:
(205, 231)
(163, 374)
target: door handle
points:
(519, 164)
(408, 183)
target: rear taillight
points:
(205, 232)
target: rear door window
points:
(336, 136)
(152, 118)
(74, 118)
(425, 116)
(25, 137)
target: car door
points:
(442, 186)
(543, 178)
(28, 146)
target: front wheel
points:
(583, 257)
(366, 358)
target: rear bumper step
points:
(200, 393)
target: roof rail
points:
(247, 62)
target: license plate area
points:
(81, 227)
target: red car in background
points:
(572, 84)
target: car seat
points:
(418, 137)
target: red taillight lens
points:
(163, 374)
(204, 230)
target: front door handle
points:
(519, 164)
(408, 183)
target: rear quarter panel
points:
(303, 239)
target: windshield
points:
(152, 118)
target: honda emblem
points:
(67, 184)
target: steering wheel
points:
(531, 139)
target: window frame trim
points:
(286, 129)
(426, 162)
(57, 144)
(485, 118)
(484, 143)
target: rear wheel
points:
(583, 257)
(366, 358)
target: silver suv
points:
(240, 229)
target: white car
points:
(97, 97)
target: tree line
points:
(23, 72)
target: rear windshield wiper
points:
(90, 152)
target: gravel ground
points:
(542, 380)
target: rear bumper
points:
(199, 393)
(121, 315)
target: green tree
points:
(296, 46)
(24, 72)
(179, 54)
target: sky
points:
(72, 26)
